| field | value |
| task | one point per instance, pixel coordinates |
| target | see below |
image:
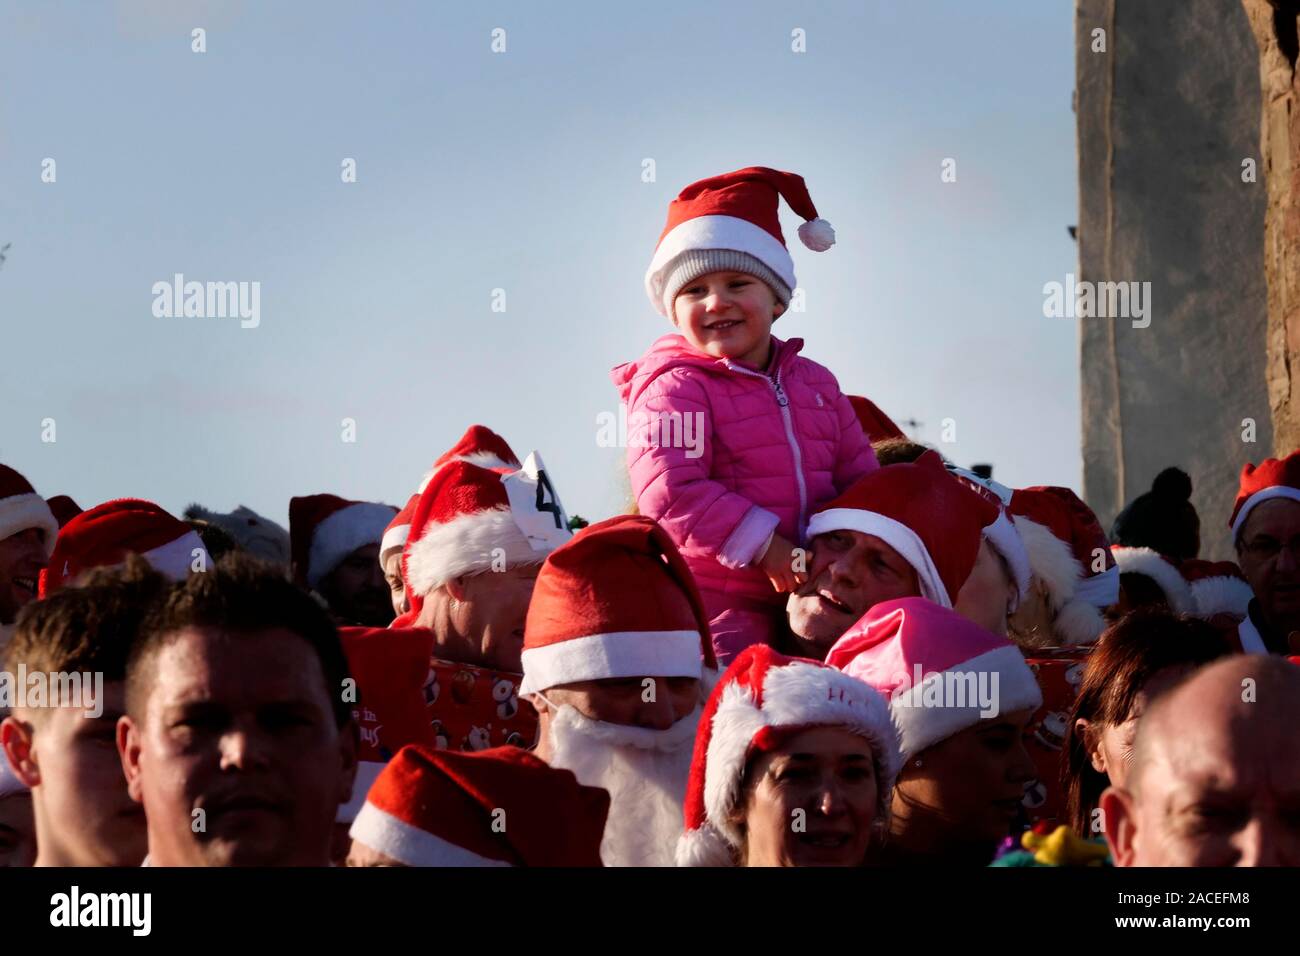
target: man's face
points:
(357, 591)
(236, 757)
(1215, 793)
(396, 586)
(988, 593)
(479, 618)
(655, 703)
(850, 573)
(1269, 548)
(22, 556)
(87, 816)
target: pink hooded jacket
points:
(722, 455)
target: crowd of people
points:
(811, 642)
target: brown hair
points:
(895, 451)
(89, 627)
(241, 595)
(1128, 655)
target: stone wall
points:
(1166, 115)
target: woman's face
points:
(972, 783)
(812, 802)
(1110, 746)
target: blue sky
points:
(521, 171)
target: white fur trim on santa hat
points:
(1054, 564)
(407, 844)
(467, 545)
(611, 656)
(795, 695)
(1167, 577)
(895, 534)
(1221, 594)
(367, 771)
(1006, 541)
(175, 559)
(1100, 589)
(921, 726)
(20, 512)
(716, 232)
(1258, 498)
(394, 540)
(349, 528)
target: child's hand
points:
(778, 563)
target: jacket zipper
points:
(783, 401)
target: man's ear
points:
(128, 751)
(16, 740)
(456, 588)
(1119, 818)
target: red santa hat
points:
(390, 666)
(762, 699)
(481, 446)
(22, 508)
(107, 533)
(1001, 532)
(325, 529)
(914, 651)
(398, 530)
(932, 520)
(730, 222)
(617, 601)
(877, 425)
(1064, 542)
(1272, 478)
(498, 807)
(63, 508)
(1218, 587)
(471, 519)
(1161, 570)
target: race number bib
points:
(535, 506)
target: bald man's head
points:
(1215, 779)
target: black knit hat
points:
(1163, 519)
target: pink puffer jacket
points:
(722, 455)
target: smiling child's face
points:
(728, 315)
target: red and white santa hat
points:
(325, 529)
(930, 518)
(471, 519)
(1272, 478)
(730, 222)
(22, 508)
(398, 530)
(1001, 532)
(107, 533)
(1065, 544)
(498, 807)
(617, 601)
(1163, 571)
(389, 666)
(1218, 587)
(760, 700)
(480, 446)
(875, 423)
(915, 652)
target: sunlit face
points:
(850, 573)
(1268, 548)
(655, 703)
(396, 586)
(728, 315)
(989, 593)
(812, 801)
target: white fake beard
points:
(645, 772)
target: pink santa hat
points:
(730, 222)
(760, 700)
(107, 533)
(898, 641)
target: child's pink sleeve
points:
(669, 457)
(854, 457)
